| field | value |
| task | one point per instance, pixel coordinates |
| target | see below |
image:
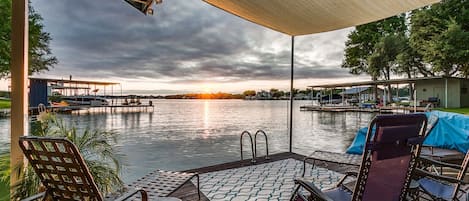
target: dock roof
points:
(379, 82)
(75, 81)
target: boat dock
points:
(381, 110)
(97, 109)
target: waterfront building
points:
(447, 92)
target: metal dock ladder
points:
(254, 144)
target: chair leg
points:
(304, 168)
(298, 197)
(198, 185)
(293, 196)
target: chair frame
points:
(458, 181)
(366, 163)
(351, 159)
(63, 171)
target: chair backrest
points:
(60, 167)
(432, 121)
(389, 157)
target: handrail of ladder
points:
(252, 146)
(266, 143)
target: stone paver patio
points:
(269, 181)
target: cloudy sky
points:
(187, 46)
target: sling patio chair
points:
(63, 171)
(441, 187)
(388, 162)
(354, 160)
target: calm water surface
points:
(185, 134)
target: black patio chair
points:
(440, 187)
(389, 159)
(354, 160)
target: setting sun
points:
(207, 89)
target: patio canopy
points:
(301, 17)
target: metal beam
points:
(291, 91)
(446, 92)
(19, 78)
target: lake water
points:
(185, 134)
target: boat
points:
(85, 100)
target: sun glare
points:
(206, 89)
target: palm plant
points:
(4, 176)
(94, 145)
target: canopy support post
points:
(446, 92)
(291, 91)
(19, 83)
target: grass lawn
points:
(464, 110)
(5, 104)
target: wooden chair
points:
(388, 161)
(62, 170)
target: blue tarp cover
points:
(451, 132)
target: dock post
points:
(19, 87)
(291, 90)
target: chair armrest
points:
(315, 192)
(440, 177)
(440, 163)
(347, 174)
(351, 173)
(131, 193)
(310, 157)
(35, 197)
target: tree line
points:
(276, 93)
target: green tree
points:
(273, 91)
(409, 62)
(40, 55)
(361, 44)
(441, 34)
(276, 93)
(295, 91)
(368, 44)
(249, 93)
(383, 59)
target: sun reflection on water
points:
(206, 133)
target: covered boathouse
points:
(447, 92)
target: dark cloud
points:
(186, 41)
